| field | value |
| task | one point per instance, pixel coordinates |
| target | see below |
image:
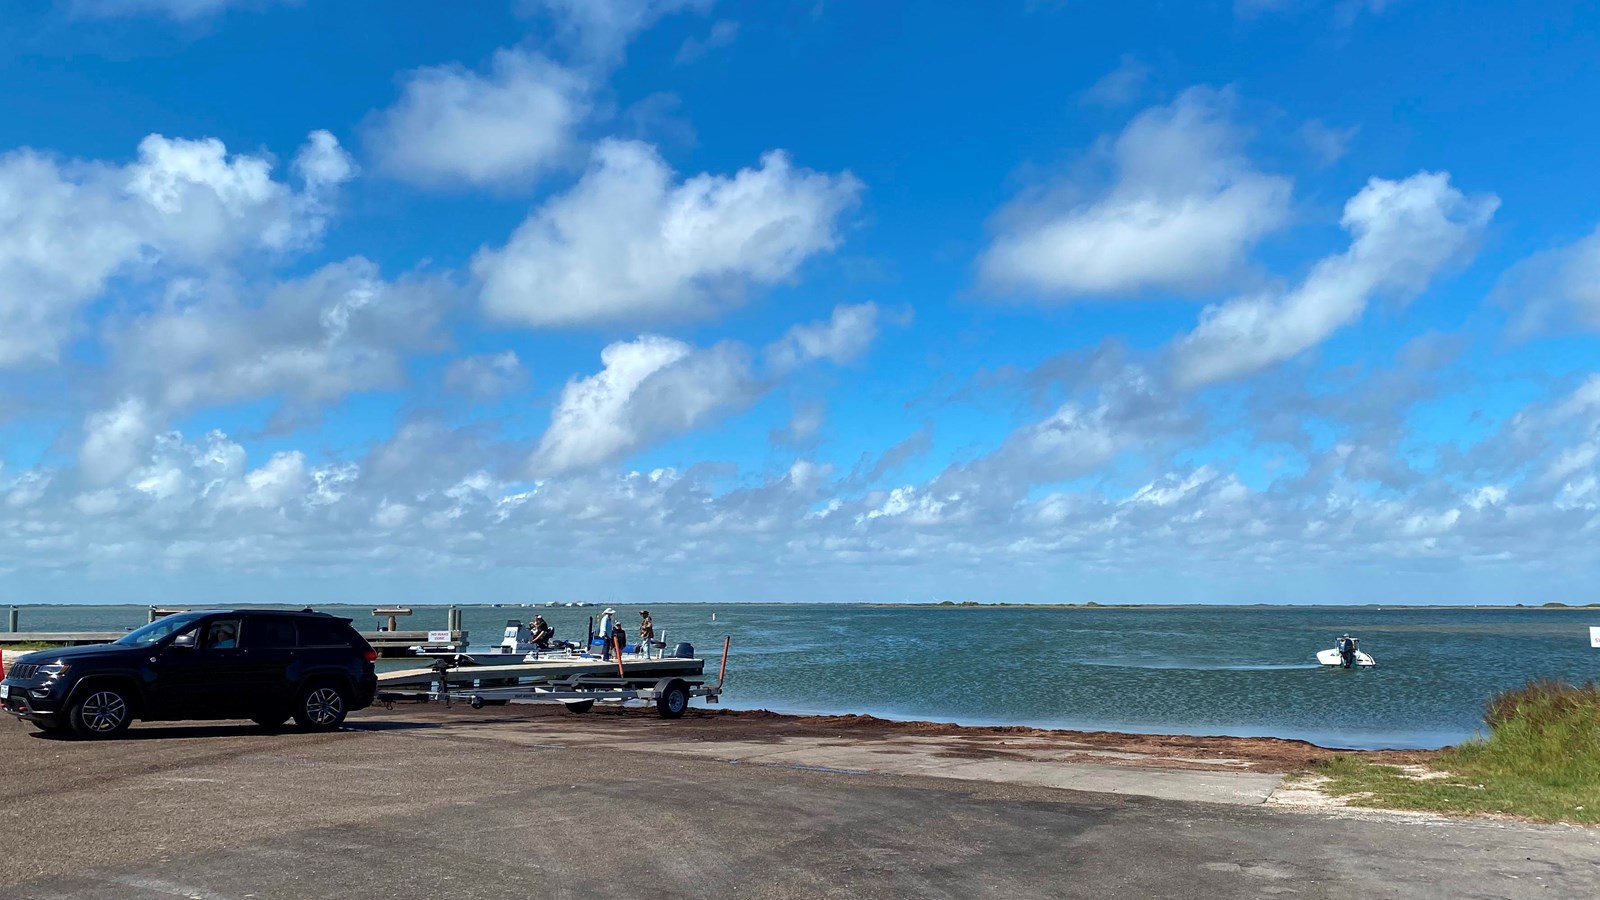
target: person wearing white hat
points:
(607, 619)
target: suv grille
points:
(24, 670)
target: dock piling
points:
(11, 620)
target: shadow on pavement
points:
(180, 732)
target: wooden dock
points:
(387, 643)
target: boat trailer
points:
(671, 693)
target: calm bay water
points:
(1192, 670)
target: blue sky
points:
(1261, 301)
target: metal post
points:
(11, 621)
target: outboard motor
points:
(684, 650)
(515, 638)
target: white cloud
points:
(628, 243)
(723, 33)
(1403, 233)
(803, 427)
(309, 341)
(1120, 86)
(485, 376)
(1184, 211)
(654, 388)
(278, 482)
(115, 440)
(322, 162)
(650, 388)
(1556, 291)
(1327, 144)
(842, 339)
(198, 506)
(598, 30)
(67, 229)
(504, 129)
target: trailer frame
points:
(579, 693)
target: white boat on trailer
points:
(576, 680)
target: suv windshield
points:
(160, 628)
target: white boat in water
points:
(1335, 655)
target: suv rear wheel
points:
(101, 711)
(322, 706)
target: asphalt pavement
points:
(491, 804)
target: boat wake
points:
(1194, 665)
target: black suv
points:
(263, 665)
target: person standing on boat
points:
(1347, 650)
(647, 631)
(615, 641)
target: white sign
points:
(1594, 636)
(438, 637)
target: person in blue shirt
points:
(224, 636)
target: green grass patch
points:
(30, 646)
(1541, 761)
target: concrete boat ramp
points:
(1061, 766)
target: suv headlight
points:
(53, 669)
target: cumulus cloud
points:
(67, 229)
(114, 441)
(1183, 211)
(1127, 409)
(842, 339)
(308, 341)
(649, 388)
(1403, 233)
(1556, 291)
(655, 387)
(1524, 500)
(598, 30)
(501, 129)
(630, 243)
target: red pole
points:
(618, 644)
(722, 672)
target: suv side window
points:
(269, 633)
(323, 633)
(222, 634)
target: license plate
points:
(5, 691)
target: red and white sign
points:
(438, 637)
(1594, 636)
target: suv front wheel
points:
(322, 706)
(101, 711)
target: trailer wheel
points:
(580, 706)
(673, 700)
(477, 703)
